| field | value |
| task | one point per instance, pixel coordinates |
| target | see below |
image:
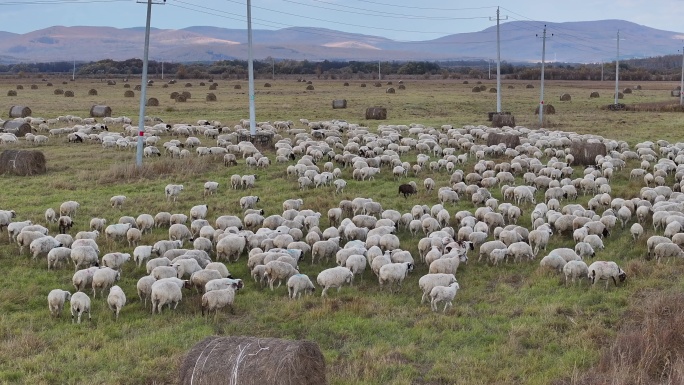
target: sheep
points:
(186, 266)
(84, 256)
(161, 272)
(58, 255)
(179, 232)
(83, 278)
(279, 271)
(161, 247)
(248, 181)
(298, 284)
(218, 299)
(220, 267)
(80, 303)
(636, 230)
(162, 219)
(117, 201)
(356, 263)
(595, 241)
(292, 204)
(324, 249)
(14, 228)
(156, 262)
(394, 273)
(248, 202)
(104, 278)
(87, 235)
(210, 188)
(566, 253)
(117, 231)
(115, 260)
(429, 281)
(165, 292)
(144, 288)
(606, 270)
(665, 250)
(200, 278)
(172, 191)
(116, 300)
(98, 224)
(584, 250)
(199, 212)
(50, 216)
(334, 277)
(43, 245)
(487, 247)
(444, 294)
(553, 261)
(448, 264)
(69, 208)
(520, 250)
(230, 247)
(575, 269)
(56, 299)
(64, 224)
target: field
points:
(510, 324)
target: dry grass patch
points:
(127, 173)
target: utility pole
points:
(379, 75)
(617, 68)
(498, 61)
(73, 74)
(681, 84)
(272, 69)
(250, 69)
(162, 69)
(143, 86)
(489, 71)
(601, 70)
(541, 96)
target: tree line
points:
(655, 68)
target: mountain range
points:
(573, 42)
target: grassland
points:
(512, 324)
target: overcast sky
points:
(395, 19)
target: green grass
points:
(510, 324)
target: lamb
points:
(117, 201)
(56, 299)
(116, 300)
(14, 228)
(575, 269)
(117, 231)
(58, 255)
(279, 271)
(83, 278)
(165, 292)
(43, 245)
(98, 224)
(172, 191)
(444, 294)
(64, 224)
(666, 250)
(487, 247)
(80, 303)
(84, 256)
(429, 281)
(115, 260)
(394, 273)
(104, 278)
(497, 255)
(69, 208)
(553, 261)
(606, 270)
(334, 277)
(144, 288)
(50, 216)
(298, 284)
(218, 299)
(210, 188)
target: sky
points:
(402, 20)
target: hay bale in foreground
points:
(501, 120)
(585, 153)
(339, 103)
(549, 109)
(100, 111)
(565, 98)
(129, 94)
(153, 102)
(594, 94)
(68, 94)
(509, 140)
(17, 127)
(253, 361)
(22, 163)
(376, 113)
(19, 112)
(11, 93)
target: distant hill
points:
(589, 41)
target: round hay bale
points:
(16, 127)
(211, 97)
(20, 87)
(638, 87)
(34, 86)
(339, 103)
(68, 94)
(129, 94)
(92, 92)
(188, 84)
(11, 93)
(181, 98)
(483, 87)
(594, 94)
(174, 95)
(376, 113)
(138, 87)
(172, 81)
(509, 140)
(511, 87)
(202, 84)
(390, 90)
(212, 87)
(620, 95)
(465, 82)
(345, 84)
(402, 87)
(584, 153)
(127, 85)
(267, 85)
(310, 87)
(362, 85)
(237, 87)
(150, 82)
(377, 84)
(401, 82)
(492, 90)
(48, 84)
(389, 83)
(186, 94)
(529, 86)
(565, 98)
(111, 83)
(22, 163)
(479, 82)
(165, 85)
(627, 90)
(476, 89)
(100, 111)
(19, 111)
(58, 91)
(309, 82)
(153, 102)
(253, 361)
(549, 109)
(65, 82)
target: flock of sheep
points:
(362, 234)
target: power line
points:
(422, 8)
(57, 2)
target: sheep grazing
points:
(144, 288)
(218, 299)
(334, 277)
(663, 250)
(104, 278)
(50, 216)
(115, 260)
(116, 300)
(83, 278)
(98, 224)
(394, 273)
(117, 201)
(298, 284)
(43, 245)
(165, 292)
(606, 270)
(80, 303)
(429, 281)
(57, 256)
(172, 191)
(574, 270)
(223, 283)
(407, 189)
(56, 299)
(84, 256)
(199, 212)
(117, 231)
(553, 261)
(444, 294)
(210, 188)
(68, 208)
(279, 271)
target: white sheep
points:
(249, 201)
(69, 208)
(144, 288)
(448, 264)
(83, 278)
(584, 250)
(172, 190)
(186, 266)
(218, 299)
(606, 270)
(117, 201)
(104, 278)
(14, 228)
(25, 238)
(84, 256)
(223, 283)
(165, 292)
(97, 224)
(298, 284)
(334, 277)
(553, 261)
(324, 249)
(575, 269)
(444, 294)
(566, 253)
(56, 299)
(595, 241)
(279, 271)
(155, 262)
(179, 232)
(80, 303)
(58, 255)
(636, 230)
(394, 273)
(43, 245)
(210, 188)
(220, 267)
(50, 215)
(161, 247)
(116, 300)
(115, 260)
(117, 231)
(200, 278)
(520, 251)
(230, 247)
(667, 250)
(133, 236)
(356, 263)
(199, 212)
(429, 281)
(161, 272)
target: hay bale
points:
(65, 82)
(100, 111)
(202, 84)
(402, 87)
(502, 120)
(465, 82)
(181, 98)
(253, 361)
(16, 127)
(34, 86)
(339, 103)
(529, 86)
(213, 87)
(22, 163)
(188, 84)
(479, 82)
(153, 102)
(309, 82)
(346, 84)
(267, 85)
(565, 98)
(585, 153)
(483, 87)
(11, 93)
(492, 90)
(127, 85)
(476, 89)
(310, 87)
(363, 85)
(620, 95)
(48, 84)
(627, 90)
(237, 87)
(594, 94)
(19, 112)
(68, 94)
(510, 87)
(390, 90)
(20, 87)
(172, 81)
(638, 87)
(111, 83)
(211, 97)
(165, 85)
(509, 140)
(58, 91)
(549, 109)
(186, 94)
(138, 87)
(377, 84)
(389, 83)
(129, 94)
(376, 113)
(92, 92)
(174, 95)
